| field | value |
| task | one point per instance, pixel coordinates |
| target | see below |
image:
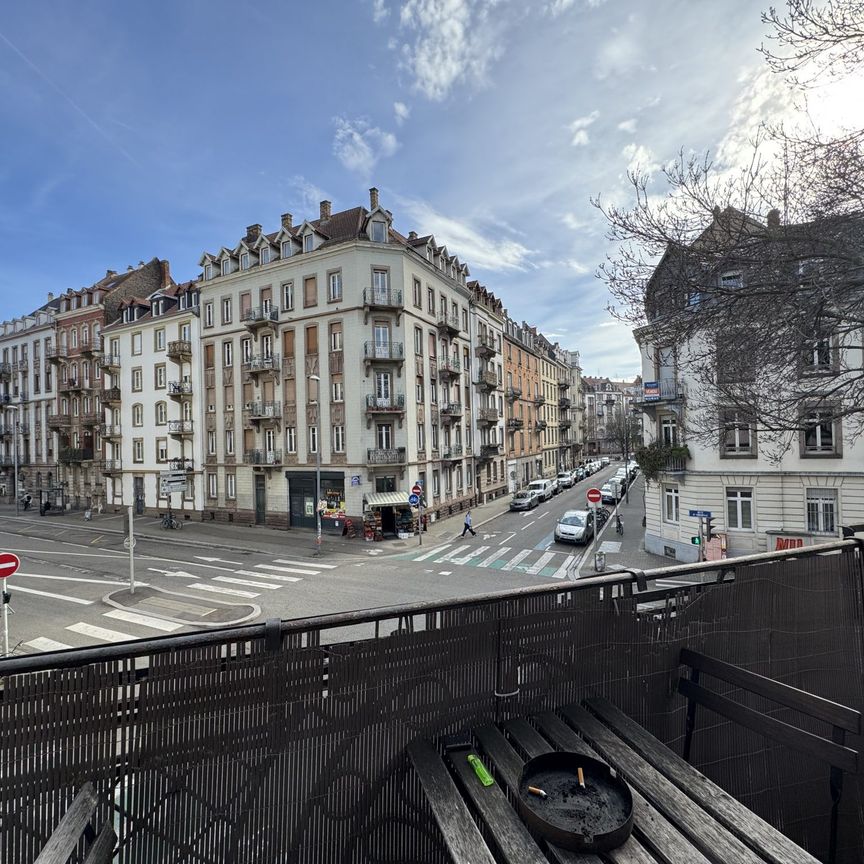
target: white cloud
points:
(478, 245)
(628, 126)
(402, 112)
(379, 11)
(639, 159)
(304, 195)
(359, 146)
(559, 7)
(579, 128)
(454, 41)
(572, 221)
(618, 56)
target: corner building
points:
(342, 340)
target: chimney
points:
(774, 218)
(412, 235)
(324, 212)
(287, 219)
(110, 273)
(50, 296)
(253, 232)
(373, 198)
(166, 273)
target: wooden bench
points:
(75, 825)
(832, 750)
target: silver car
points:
(526, 499)
(575, 526)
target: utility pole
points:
(15, 452)
(317, 380)
(130, 542)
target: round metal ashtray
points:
(595, 818)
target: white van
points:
(546, 488)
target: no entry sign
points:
(9, 563)
(593, 495)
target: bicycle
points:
(619, 525)
(168, 521)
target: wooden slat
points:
(755, 832)
(807, 703)
(708, 835)
(514, 843)
(462, 837)
(68, 832)
(777, 730)
(654, 830)
(102, 851)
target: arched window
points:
(161, 413)
(73, 335)
(85, 334)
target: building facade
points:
(523, 399)
(604, 398)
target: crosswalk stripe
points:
(315, 564)
(205, 586)
(246, 582)
(519, 556)
(561, 572)
(65, 597)
(102, 633)
(273, 576)
(448, 556)
(432, 552)
(286, 569)
(464, 559)
(540, 563)
(498, 553)
(143, 620)
(43, 643)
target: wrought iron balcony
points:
(180, 389)
(110, 430)
(76, 454)
(565, 402)
(489, 451)
(448, 323)
(262, 457)
(109, 362)
(449, 367)
(452, 453)
(450, 409)
(59, 421)
(385, 456)
(394, 404)
(663, 390)
(56, 353)
(487, 415)
(180, 349)
(387, 351)
(540, 425)
(112, 466)
(564, 422)
(563, 383)
(486, 346)
(539, 400)
(487, 380)
(675, 464)
(512, 393)
(70, 385)
(180, 428)
(382, 298)
(181, 464)
(515, 423)
(5, 371)
(91, 419)
(260, 316)
(263, 410)
(261, 363)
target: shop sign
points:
(355, 479)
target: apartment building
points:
(26, 396)
(311, 337)
(524, 398)
(153, 416)
(77, 346)
(487, 334)
(604, 398)
(575, 414)
(552, 384)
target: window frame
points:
(738, 495)
(820, 495)
(671, 495)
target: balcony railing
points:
(337, 362)
(449, 366)
(487, 380)
(515, 423)
(264, 410)
(490, 451)
(259, 316)
(262, 457)
(70, 385)
(564, 422)
(262, 363)
(109, 362)
(663, 390)
(675, 464)
(450, 409)
(5, 371)
(512, 393)
(179, 349)
(179, 389)
(487, 415)
(110, 430)
(452, 452)
(383, 351)
(56, 353)
(180, 427)
(90, 419)
(565, 402)
(112, 466)
(486, 346)
(76, 454)
(448, 322)
(59, 421)
(382, 298)
(385, 456)
(181, 464)
(110, 395)
(539, 400)
(564, 383)
(540, 425)
(385, 404)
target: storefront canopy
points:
(387, 499)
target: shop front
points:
(387, 515)
(303, 495)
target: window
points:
(137, 414)
(211, 442)
(739, 509)
(291, 439)
(246, 350)
(436, 484)
(230, 486)
(229, 442)
(418, 294)
(226, 266)
(159, 339)
(137, 449)
(312, 339)
(418, 385)
(208, 314)
(161, 413)
(336, 337)
(334, 287)
(338, 439)
(731, 280)
(380, 285)
(74, 338)
(161, 449)
(819, 434)
(212, 487)
(286, 249)
(264, 255)
(136, 343)
(738, 435)
(227, 354)
(208, 271)
(822, 511)
(430, 301)
(310, 291)
(338, 391)
(308, 242)
(418, 342)
(670, 504)
(313, 439)
(421, 436)
(137, 380)
(379, 232)
(226, 310)
(384, 436)
(159, 376)
(288, 296)
(816, 356)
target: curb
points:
(255, 613)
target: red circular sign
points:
(593, 495)
(416, 489)
(9, 563)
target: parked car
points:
(525, 499)
(623, 475)
(604, 461)
(611, 491)
(544, 488)
(575, 526)
(579, 473)
(565, 479)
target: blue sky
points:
(164, 128)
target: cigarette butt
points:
(581, 777)
(535, 791)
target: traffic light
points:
(710, 528)
(696, 541)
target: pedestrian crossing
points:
(532, 562)
(241, 585)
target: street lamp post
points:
(317, 403)
(15, 456)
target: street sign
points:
(593, 495)
(703, 514)
(416, 489)
(127, 544)
(414, 499)
(9, 563)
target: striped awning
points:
(387, 499)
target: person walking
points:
(468, 527)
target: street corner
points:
(158, 603)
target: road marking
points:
(43, 643)
(65, 597)
(178, 606)
(519, 556)
(104, 554)
(275, 576)
(527, 524)
(432, 552)
(220, 560)
(287, 569)
(491, 557)
(561, 572)
(181, 573)
(143, 620)
(544, 513)
(307, 564)
(502, 542)
(96, 540)
(245, 582)
(449, 555)
(102, 633)
(464, 559)
(71, 579)
(540, 563)
(445, 572)
(206, 586)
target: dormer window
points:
(244, 260)
(183, 301)
(379, 232)
(265, 255)
(308, 240)
(208, 271)
(286, 249)
(226, 266)
(193, 298)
